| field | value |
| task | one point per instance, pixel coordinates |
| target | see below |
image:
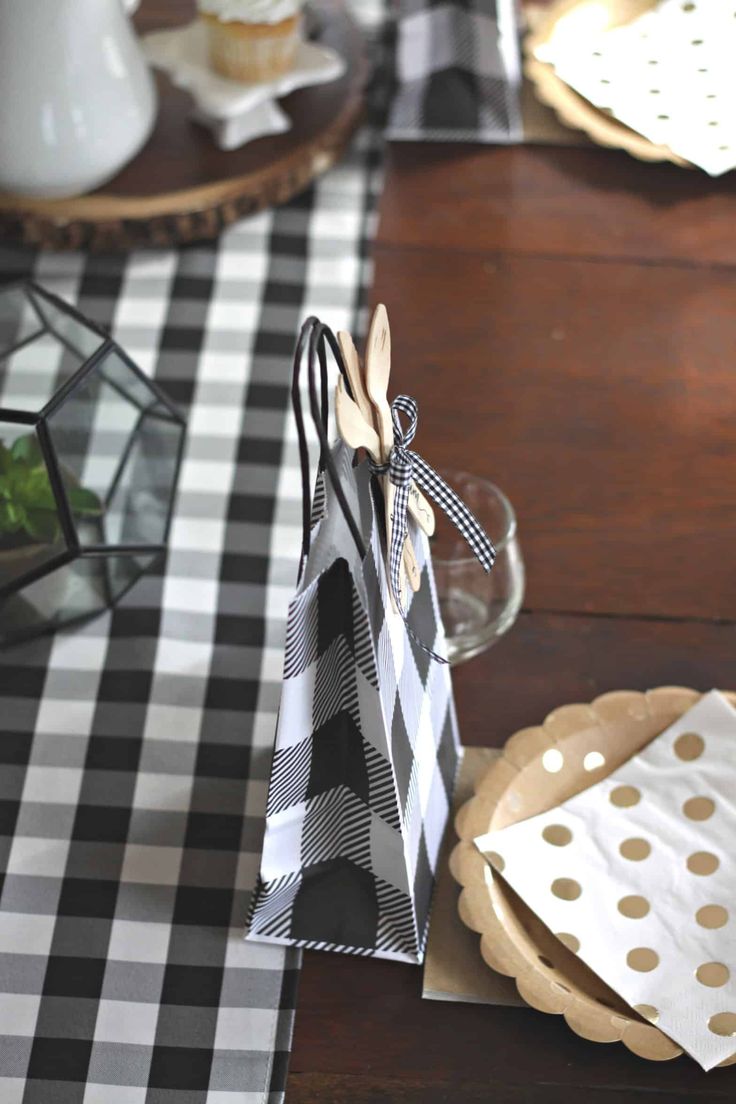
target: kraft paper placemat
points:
(453, 968)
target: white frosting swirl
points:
(250, 11)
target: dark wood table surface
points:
(567, 320)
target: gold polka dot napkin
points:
(637, 875)
(669, 74)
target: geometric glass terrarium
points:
(90, 450)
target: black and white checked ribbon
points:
(404, 467)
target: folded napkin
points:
(669, 74)
(637, 875)
(458, 72)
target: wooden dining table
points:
(566, 319)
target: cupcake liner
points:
(252, 51)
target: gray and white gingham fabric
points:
(458, 72)
(135, 751)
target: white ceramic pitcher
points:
(77, 100)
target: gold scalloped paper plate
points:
(549, 976)
(573, 109)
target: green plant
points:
(28, 513)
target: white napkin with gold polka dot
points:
(637, 874)
(668, 74)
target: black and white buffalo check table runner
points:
(136, 750)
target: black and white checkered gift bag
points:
(458, 72)
(366, 745)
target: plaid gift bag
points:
(458, 72)
(367, 743)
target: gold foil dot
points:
(713, 974)
(699, 808)
(634, 907)
(553, 760)
(642, 959)
(496, 861)
(702, 863)
(635, 849)
(689, 746)
(567, 889)
(593, 761)
(723, 1023)
(571, 941)
(625, 796)
(557, 834)
(712, 916)
(647, 1012)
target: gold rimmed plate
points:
(573, 109)
(540, 767)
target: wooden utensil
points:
(359, 433)
(419, 505)
(355, 376)
(354, 429)
(377, 372)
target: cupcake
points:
(251, 40)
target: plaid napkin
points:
(458, 72)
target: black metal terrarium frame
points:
(160, 408)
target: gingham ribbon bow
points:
(405, 467)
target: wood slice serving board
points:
(182, 188)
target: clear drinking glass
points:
(477, 608)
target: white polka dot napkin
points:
(638, 875)
(669, 74)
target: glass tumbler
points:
(477, 608)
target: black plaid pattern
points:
(135, 752)
(357, 808)
(458, 72)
